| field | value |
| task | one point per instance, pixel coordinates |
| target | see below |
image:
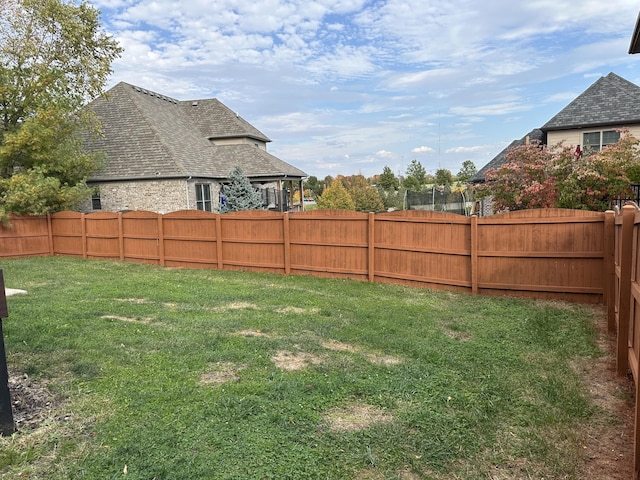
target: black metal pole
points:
(7, 426)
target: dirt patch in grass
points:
(378, 358)
(608, 444)
(252, 333)
(222, 372)
(287, 360)
(144, 321)
(298, 310)
(234, 306)
(32, 403)
(355, 417)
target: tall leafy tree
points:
(467, 171)
(366, 198)
(53, 58)
(239, 194)
(336, 196)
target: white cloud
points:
(422, 149)
(383, 154)
(473, 149)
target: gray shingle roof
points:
(611, 100)
(535, 135)
(148, 135)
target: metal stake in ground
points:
(6, 415)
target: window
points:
(599, 140)
(203, 197)
(95, 200)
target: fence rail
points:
(537, 253)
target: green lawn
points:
(161, 373)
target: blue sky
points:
(351, 86)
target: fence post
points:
(474, 254)
(287, 243)
(161, 239)
(609, 269)
(50, 234)
(121, 235)
(624, 309)
(83, 226)
(219, 240)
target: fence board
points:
(556, 251)
(330, 243)
(67, 234)
(103, 235)
(26, 236)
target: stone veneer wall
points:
(160, 196)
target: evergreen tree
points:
(239, 194)
(417, 171)
(388, 180)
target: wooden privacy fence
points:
(550, 253)
(624, 310)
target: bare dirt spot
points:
(222, 372)
(145, 321)
(32, 403)
(297, 310)
(234, 306)
(375, 474)
(378, 358)
(355, 417)
(252, 333)
(291, 361)
(456, 335)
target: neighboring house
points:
(590, 122)
(164, 155)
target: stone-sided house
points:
(163, 155)
(590, 122)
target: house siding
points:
(571, 138)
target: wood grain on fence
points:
(25, 236)
(539, 253)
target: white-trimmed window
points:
(203, 197)
(598, 140)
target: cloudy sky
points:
(350, 86)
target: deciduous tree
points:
(336, 196)
(53, 58)
(537, 177)
(467, 171)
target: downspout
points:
(186, 191)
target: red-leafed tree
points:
(537, 177)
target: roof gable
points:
(215, 120)
(611, 100)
